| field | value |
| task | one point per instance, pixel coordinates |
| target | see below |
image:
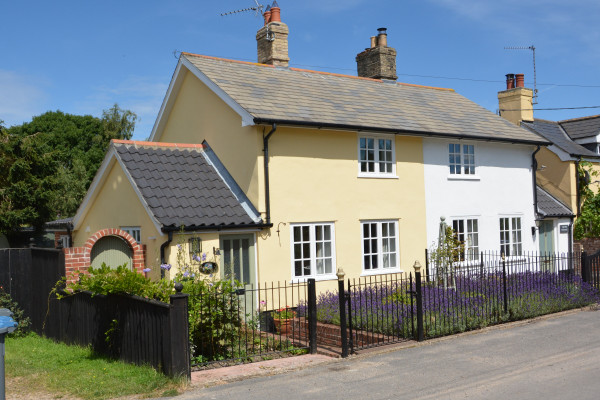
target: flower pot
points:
(283, 326)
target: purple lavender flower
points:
(146, 270)
(203, 257)
(166, 267)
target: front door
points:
(547, 244)
(237, 263)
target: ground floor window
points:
(467, 232)
(510, 236)
(134, 231)
(380, 245)
(313, 250)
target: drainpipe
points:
(266, 163)
(162, 251)
(534, 166)
(577, 187)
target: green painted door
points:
(547, 244)
(113, 251)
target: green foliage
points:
(588, 223)
(214, 317)
(105, 280)
(444, 254)
(283, 313)
(6, 301)
(49, 163)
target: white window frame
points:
(134, 231)
(511, 239)
(377, 173)
(313, 251)
(461, 165)
(379, 242)
(471, 252)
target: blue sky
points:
(81, 57)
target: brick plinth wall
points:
(589, 245)
(78, 259)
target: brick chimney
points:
(515, 103)
(378, 61)
(272, 39)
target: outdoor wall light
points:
(533, 228)
(216, 251)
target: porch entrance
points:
(547, 245)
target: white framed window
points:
(134, 231)
(376, 156)
(510, 236)
(313, 250)
(461, 159)
(467, 232)
(380, 246)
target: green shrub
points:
(6, 301)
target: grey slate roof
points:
(554, 133)
(550, 206)
(60, 223)
(291, 95)
(181, 186)
(582, 127)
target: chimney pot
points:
(520, 80)
(382, 37)
(267, 15)
(275, 12)
(510, 81)
(373, 41)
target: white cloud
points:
(21, 97)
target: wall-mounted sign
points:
(564, 229)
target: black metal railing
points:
(251, 323)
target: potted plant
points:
(282, 319)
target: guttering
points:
(318, 125)
(266, 169)
(162, 252)
(577, 187)
(534, 166)
(212, 228)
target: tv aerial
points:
(532, 48)
(258, 10)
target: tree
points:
(588, 223)
(49, 163)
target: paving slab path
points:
(553, 357)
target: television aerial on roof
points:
(532, 48)
(258, 10)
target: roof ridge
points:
(315, 72)
(579, 118)
(543, 120)
(142, 143)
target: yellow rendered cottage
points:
(273, 173)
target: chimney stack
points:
(516, 102)
(378, 61)
(272, 39)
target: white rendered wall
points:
(501, 187)
(561, 240)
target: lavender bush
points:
(475, 302)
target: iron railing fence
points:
(239, 326)
(494, 289)
(380, 309)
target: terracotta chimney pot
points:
(510, 81)
(267, 15)
(275, 12)
(520, 80)
(373, 41)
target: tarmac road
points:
(556, 357)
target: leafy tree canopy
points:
(588, 223)
(47, 164)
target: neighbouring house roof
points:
(554, 133)
(180, 185)
(579, 128)
(63, 223)
(267, 94)
(550, 206)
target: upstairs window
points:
(510, 236)
(461, 159)
(376, 156)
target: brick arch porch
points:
(78, 259)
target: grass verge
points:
(71, 371)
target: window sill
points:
(316, 278)
(464, 178)
(382, 272)
(380, 176)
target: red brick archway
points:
(78, 259)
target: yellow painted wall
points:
(516, 105)
(557, 178)
(180, 258)
(313, 178)
(198, 114)
(115, 206)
